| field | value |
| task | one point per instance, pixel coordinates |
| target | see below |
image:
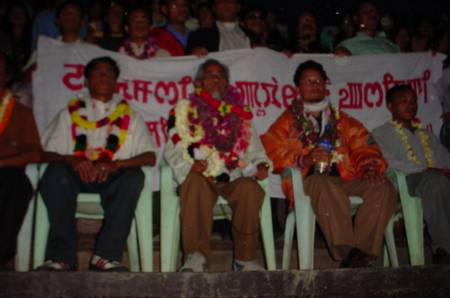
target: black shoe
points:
(4, 268)
(441, 257)
(356, 258)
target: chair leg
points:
(40, 233)
(170, 223)
(267, 233)
(306, 225)
(24, 240)
(305, 220)
(386, 262)
(288, 237)
(133, 252)
(144, 216)
(390, 243)
(413, 218)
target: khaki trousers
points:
(197, 199)
(331, 204)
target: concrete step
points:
(417, 281)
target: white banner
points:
(357, 84)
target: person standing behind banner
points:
(226, 33)
(140, 44)
(19, 146)
(367, 39)
(112, 35)
(97, 145)
(175, 34)
(338, 158)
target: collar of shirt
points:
(378, 34)
(98, 109)
(79, 40)
(229, 26)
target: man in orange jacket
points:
(338, 158)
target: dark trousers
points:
(434, 189)
(60, 186)
(15, 194)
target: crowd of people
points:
(98, 143)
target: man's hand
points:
(199, 166)
(262, 171)
(374, 177)
(316, 155)
(83, 166)
(102, 170)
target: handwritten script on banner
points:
(357, 84)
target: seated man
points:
(19, 146)
(96, 145)
(312, 134)
(214, 150)
(411, 149)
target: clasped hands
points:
(90, 171)
(320, 154)
(262, 170)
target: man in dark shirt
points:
(19, 146)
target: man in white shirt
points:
(97, 145)
(409, 148)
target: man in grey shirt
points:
(419, 154)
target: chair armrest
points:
(399, 178)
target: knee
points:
(194, 179)
(435, 179)
(56, 173)
(252, 186)
(133, 178)
(385, 192)
(318, 183)
(17, 178)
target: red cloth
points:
(165, 40)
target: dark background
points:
(330, 10)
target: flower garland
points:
(6, 109)
(309, 132)
(424, 140)
(217, 131)
(120, 118)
